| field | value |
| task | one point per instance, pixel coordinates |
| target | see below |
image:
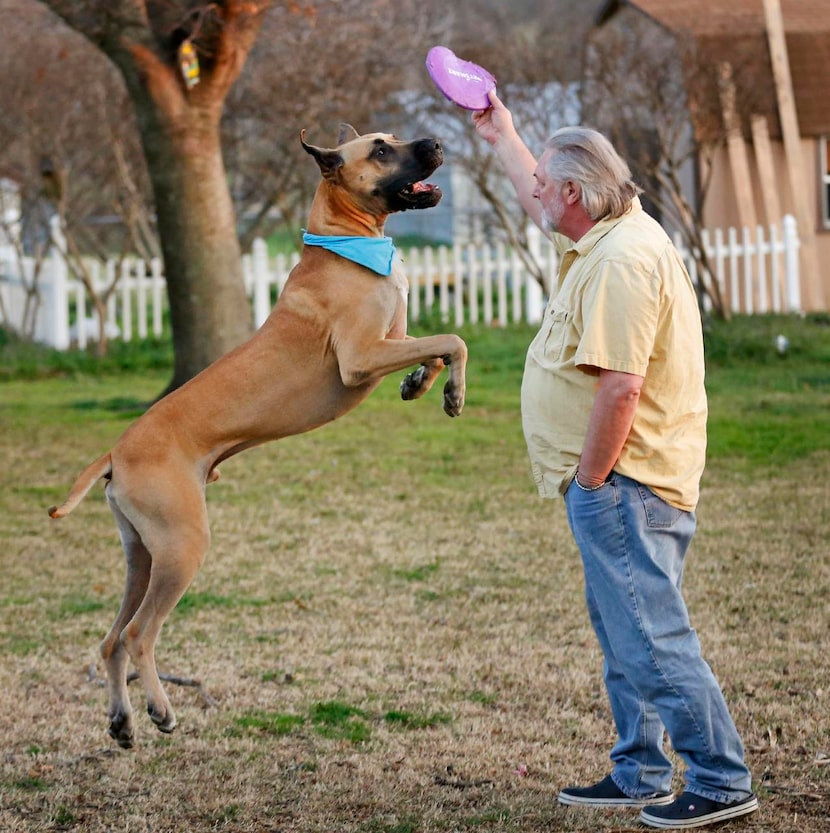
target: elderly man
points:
(614, 414)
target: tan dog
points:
(336, 331)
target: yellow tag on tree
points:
(189, 64)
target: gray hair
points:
(584, 156)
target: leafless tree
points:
(530, 47)
(68, 137)
(657, 97)
(314, 65)
(336, 61)
(178, 60)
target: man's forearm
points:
(609, 426)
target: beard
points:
(551, 220)
(552, 214)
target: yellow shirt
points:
(623, 301)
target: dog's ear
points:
(329, 161)
(347, 133)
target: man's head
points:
(581, 179)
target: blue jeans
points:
(633, 546)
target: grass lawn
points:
(389, 634)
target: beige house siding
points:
(721, 208)
(719, 26)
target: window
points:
(824, 170)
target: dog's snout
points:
(431, 150)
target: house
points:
(765, 123)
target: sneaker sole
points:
(599, 803)
(710, 818)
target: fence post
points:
(749, 288)
(141, 296)
(414, 276)
(158, 286)
(125, 285)
(55, 318)
(760, 255)
(501, 283)
(791, 265)
(535, 298)
(443, 284)
(458, 283)
(262, 294)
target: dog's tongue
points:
(422, 186)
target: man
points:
(614, 414)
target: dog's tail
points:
(84, 482)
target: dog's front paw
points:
(413, 384)
(453, 399)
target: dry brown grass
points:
(424, 579)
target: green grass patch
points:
(339, 721)
(409, 824)
(32, 784)
(409, 720)
(80, 606)
(419, 573)
(333, 720)
(259, 722)
(201, 600)
(21, 359)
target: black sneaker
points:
(690, 810)
(607, 794)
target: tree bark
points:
(179, 127)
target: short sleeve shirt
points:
(623, 301)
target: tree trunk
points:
(209, 309)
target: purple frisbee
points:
(462, 82)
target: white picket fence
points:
(756, 271)
(466, 283)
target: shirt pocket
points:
(556, 339)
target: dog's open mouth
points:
(419, 195)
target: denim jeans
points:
(633, 546)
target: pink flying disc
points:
(462, 82)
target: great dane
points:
(338, 327)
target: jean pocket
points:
(659, 514)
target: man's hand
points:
(495, 122)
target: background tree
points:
(533, 47)
(178, 124)
(362, 50)
(658, 98)
(347, 60)
(76, 163)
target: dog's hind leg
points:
(177, 539)
(113, 652)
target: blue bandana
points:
(375, 253)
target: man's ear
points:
(328, 160)
(573, 193)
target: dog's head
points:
(381, 173)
